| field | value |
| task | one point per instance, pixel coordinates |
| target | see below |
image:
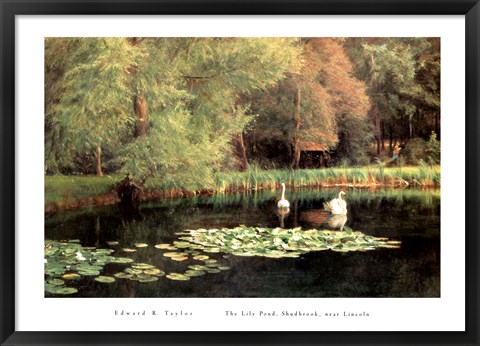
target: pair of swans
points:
(337, 206)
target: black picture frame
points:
(10, 8)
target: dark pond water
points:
(410, 216)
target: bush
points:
(433, 149)
(417, 150)
(414, 151)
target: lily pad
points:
(112, 243)
(89, 272)
(121, 260)
(182, 244)
(177, 276)
(129, 250)
(123, 275)
(200, 257)
(102, 251)
(62, 290)
(194, 273)
(133, 271)
(140, 245)
(105, 279)
(56, 282)
(153, 272)
(165, 247)
(71, 276)
(213, 270)
(179, 258)
(197, 267)
(142, 266)
(172, 254)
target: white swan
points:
(337, 206)
(283, 203)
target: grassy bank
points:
(69, 192)
(422, 175)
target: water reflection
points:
(282, 214)
(412, 216)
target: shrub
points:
(414, 151)
(433, 149)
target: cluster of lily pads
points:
(142, 272)
(67, 261)
(279, 242)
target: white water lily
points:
(80, 256)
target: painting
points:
(242, 167)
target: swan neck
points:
(283, 191)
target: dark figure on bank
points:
(129, 192)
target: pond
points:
(387, 246)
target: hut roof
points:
(312, 146)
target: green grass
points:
(371, 175)
(59, 189)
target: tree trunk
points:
(296, 153)
(383, 136)
(141, 113)
(98, 163)
(410, 126)
(378, 132)
(243, 152)
(391, 138)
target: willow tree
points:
(91, 110)
(223, 73)
(164, 107)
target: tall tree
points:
(308, 105)
(92, 110)
(396, 74)
(163, 107)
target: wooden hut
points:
(314, 155)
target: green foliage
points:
(333, 106)
(355, 137)
(433, 149)
(199, 94)
(173, 152)
(93, 110)
(403, 79)
(190, 88)
(415, 151)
